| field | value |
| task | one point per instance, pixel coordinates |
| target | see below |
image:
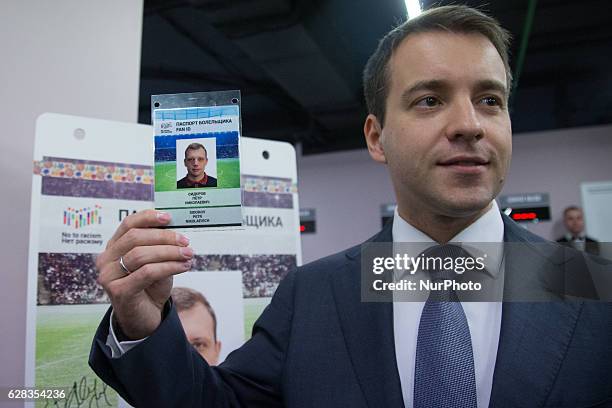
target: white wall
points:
(67, 56)
(557, 162)
(348, 188)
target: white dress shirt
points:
(484, 318)
(119, 348)
(577, 242)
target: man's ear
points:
(218, 346)
(372, 131)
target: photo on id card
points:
(197, 158)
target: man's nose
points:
(463, 121)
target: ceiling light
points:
(413, 7)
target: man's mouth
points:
(465, 164)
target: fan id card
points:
(197, 158)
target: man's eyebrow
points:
(492, 85)
(427, 85)
(439, 85)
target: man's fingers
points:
(142, 255)
(141, 219)
(145, 276)
(109, 273)
(143, 237)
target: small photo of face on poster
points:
(209, 304)
(196, 164)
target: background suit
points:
(591, 245)
(318, 345)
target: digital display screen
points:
(530, 214)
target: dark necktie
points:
(444, 370)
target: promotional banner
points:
(90, 174)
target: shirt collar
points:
(202, 181)
(487, 229)
(580, 237)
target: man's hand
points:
(153, 256)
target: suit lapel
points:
(533, 339)
(534, 336)
(368, 332)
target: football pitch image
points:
(63, 339)
(252, 310)
(228, 175)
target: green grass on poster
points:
(63, 339)
(252, 311)
(228, 175)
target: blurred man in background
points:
(573, 219)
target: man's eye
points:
(490, 101)
(428, 102)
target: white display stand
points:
(597, 205)
(88, 175)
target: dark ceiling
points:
(298, 63)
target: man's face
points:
(195, 161)
(200, 330)
(447, 137)
(574, 221)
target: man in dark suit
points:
(573, 219)
(437, 90)
(196, 159)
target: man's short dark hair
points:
(454, 19)
(196, 146)
(571, 208)
(186, 298)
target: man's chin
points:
(465, 205)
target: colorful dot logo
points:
(82, 217)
